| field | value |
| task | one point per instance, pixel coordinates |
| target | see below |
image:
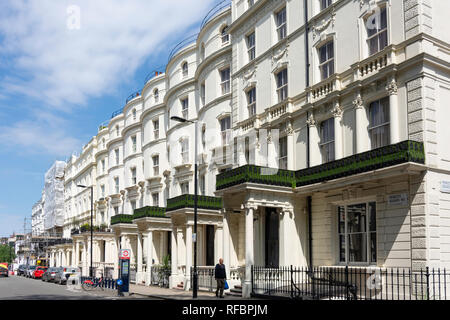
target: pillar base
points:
(246, 289)
(174, 280)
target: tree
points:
(7, 253)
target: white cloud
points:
(64, 66)
(44, 134)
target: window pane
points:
(357, 247)
(341, 220)
(342, 248)
(373, 247)
(373, 216)
(356, 215)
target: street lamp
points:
(194, 236)
(92, 210)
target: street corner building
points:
(323, 155)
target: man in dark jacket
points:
(220, 275)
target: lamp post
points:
(194, 236)
(92, 210)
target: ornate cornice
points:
(318, 28)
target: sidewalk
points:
(174, 294)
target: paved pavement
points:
(20, 288)
(173, 294)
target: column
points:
(116, 257)
(359, 127)
(219, 242)
(226, 241)
(338, 147)
(290, 147)
(249, 252)
(77, 253)
(88, 257)
(162, 246)
(180, 246)
(173, 258)
(314, 150)
(188, 256)
(272, 156)
(139, 258)
(149, 256)
(393, 110)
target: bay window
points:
(225, 80)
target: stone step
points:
(236, 291)
(235, 294)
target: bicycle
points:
(89, 285)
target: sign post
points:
(124, 271)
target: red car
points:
(37, 274)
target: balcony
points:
(403, 152)
(187, 201)
(122, 218)
(148, 211)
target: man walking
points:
(220, 275)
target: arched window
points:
(185, 69)
(156, 95)
(134, 114)
(225, 35)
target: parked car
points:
(64, 273)
(21, 270)
(49, 274)
(30, 271)
(37, 274)
(4, 270)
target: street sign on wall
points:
(124, 254)
(398, 199)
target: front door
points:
(210, 245)
(272, 251)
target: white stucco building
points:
(346, 99)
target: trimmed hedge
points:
(122, 218)
(405, 151)
(187, 201)
(149, 212)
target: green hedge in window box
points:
(149, 212)
(121, 218)
(187, 201)
(255, 174)
(405, 151)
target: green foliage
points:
(7, 253)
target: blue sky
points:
(59, 83)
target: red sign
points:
(125, 254)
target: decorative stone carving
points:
(337, 110)
(311, 121)
(319, 28)
(391, 87)
(289, 130)
(358, 102)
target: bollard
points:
(119, 288)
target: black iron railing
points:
(132, 96)
(344, 283)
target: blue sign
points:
(119, 282)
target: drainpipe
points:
(308, 156)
